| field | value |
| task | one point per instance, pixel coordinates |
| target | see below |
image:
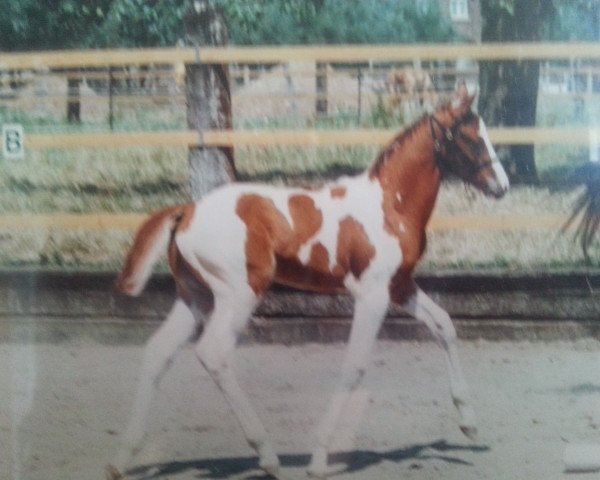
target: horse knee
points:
(212, 359)
(444, 329)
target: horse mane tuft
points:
(400, 139)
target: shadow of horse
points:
(352, 461)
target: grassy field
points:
(142, 180)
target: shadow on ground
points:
(353, 461)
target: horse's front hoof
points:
(112, 473)
(316, 475)
(317, 472)
(271, 469)
(269, 461)
(468, 421)
(470, 431)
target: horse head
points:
(462, 146)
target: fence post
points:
(73, 97)
(208, 93)
(321, 88)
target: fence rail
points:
(262, 138)
(331, 54)
(132, 221)
(366, 54)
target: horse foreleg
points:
(420, 306)
(369, 312)
(215, 352)
(175, 332)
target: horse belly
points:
(290, 272)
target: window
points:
(459, 9)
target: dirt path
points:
(62, 407)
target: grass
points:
(141, 180)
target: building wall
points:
(465, 16)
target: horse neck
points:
(409, 176)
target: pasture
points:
(140, 180)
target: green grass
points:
(141, 180)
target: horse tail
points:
(151, 240)
(587, 206)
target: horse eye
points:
(480, 147)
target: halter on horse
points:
(363, 235)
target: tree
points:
(509, 88)
(209, 99)
(335, 21)
(141, 23)
(575, 20)
(49, 24)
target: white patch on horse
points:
(218, 234)
(363, 203)
(501, 182)
(486, 139)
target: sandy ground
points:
(62, 407)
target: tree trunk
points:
(509, 98)
(208, 100)
(509, 89)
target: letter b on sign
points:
(13, 141)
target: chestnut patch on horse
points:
(354, 249)
(186, 216)
(319, 258)
(266, 227)
(307, 218)
(269, 234)
(338, 192)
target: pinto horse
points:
(363, 235)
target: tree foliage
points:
(141, 23)
(53, 24)
(338, 21)
(48, 24)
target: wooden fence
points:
(363, 54)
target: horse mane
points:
(399, 140)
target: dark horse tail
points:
(587, 205)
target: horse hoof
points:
(316, 475)
(112, 473)
(271, 470)
(268, 460)
(470, 431)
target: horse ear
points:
(461, 95)
(474, 95)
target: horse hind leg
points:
(179, 327)
(215, 351)
(420, 306)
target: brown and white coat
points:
(363, 235)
